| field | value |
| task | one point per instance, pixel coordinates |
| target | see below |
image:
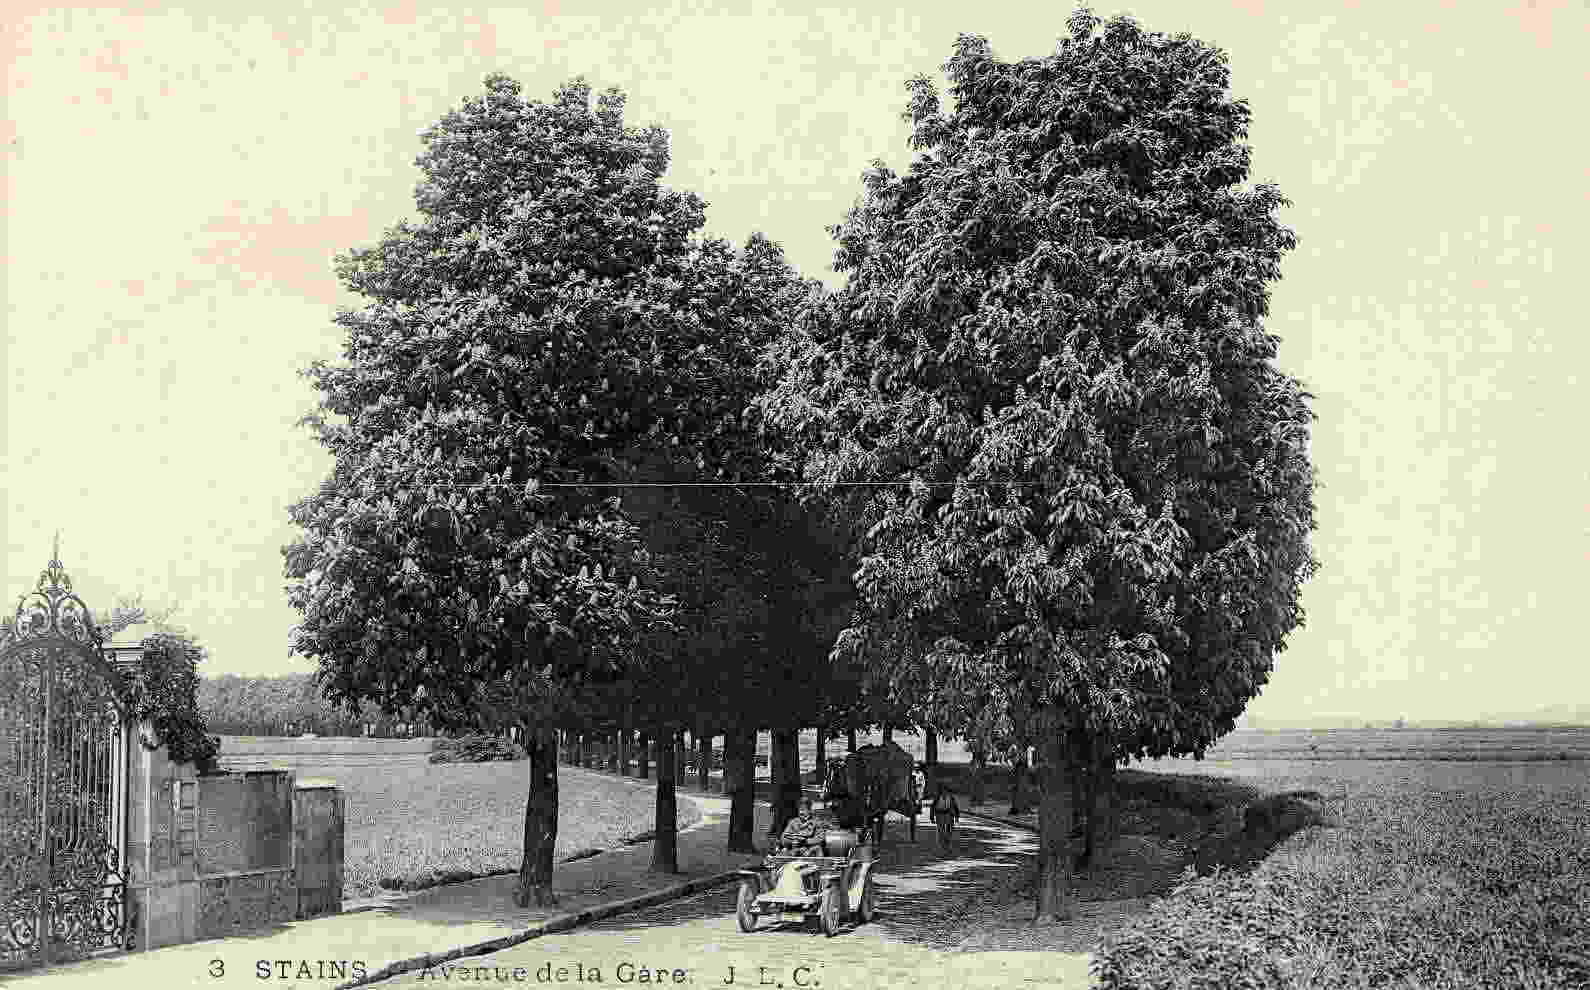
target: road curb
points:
(556, 923)
(1013, 823)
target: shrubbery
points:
(162, 691)
(476, 749)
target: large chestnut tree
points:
(1092, 493)
(551, 321)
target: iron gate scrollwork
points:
(63, 782)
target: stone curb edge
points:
(1013, 823)
(556, 923)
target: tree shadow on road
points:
(922, 895)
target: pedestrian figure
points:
(946, 813)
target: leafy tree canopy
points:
(552, 321)
(1050, 342)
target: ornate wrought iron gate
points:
(63, 782)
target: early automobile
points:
(833, 888)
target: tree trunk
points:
(665, 846)
(888, 734)
(1020, 804)
(850, 740)
(1081, 806)
(979, 784)
(679, 759)
(794, 786)
(623, 753)
(930, 747)
(643, 754)
(704, 762)
(784, 762)
(540, 821)
(1101, 810)
(739, 781)
(1054, 832)
(822, 754)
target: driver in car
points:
(804, 833)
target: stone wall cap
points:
(317, 784)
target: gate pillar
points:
(162, 843)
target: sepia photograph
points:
(590, 494)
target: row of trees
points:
(292, 704)
(1030, 477)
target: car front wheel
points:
(743, 906)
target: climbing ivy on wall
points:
(163, 691)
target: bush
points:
(163, 690)
(477, 749)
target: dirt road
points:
(930, 931)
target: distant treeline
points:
(289, 705)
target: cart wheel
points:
(828, 914)
(868, 908)
(742, 906)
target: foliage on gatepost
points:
(163, 692)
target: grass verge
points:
(416, 826)
(411, 824)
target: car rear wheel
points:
(743, 905)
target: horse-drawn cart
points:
(868, 784)
(831, 888)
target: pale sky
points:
(178, 179)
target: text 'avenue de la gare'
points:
(774, 977)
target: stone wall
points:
(162, 889)
(318, 828)
(229, 853)
(245, 822)
(245, 852)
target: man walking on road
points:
(946, 813)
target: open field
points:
(1353, 776)
(1446, 745)
(1454, 745)
(1406, 744)
(413, 823)
(1445, 875)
